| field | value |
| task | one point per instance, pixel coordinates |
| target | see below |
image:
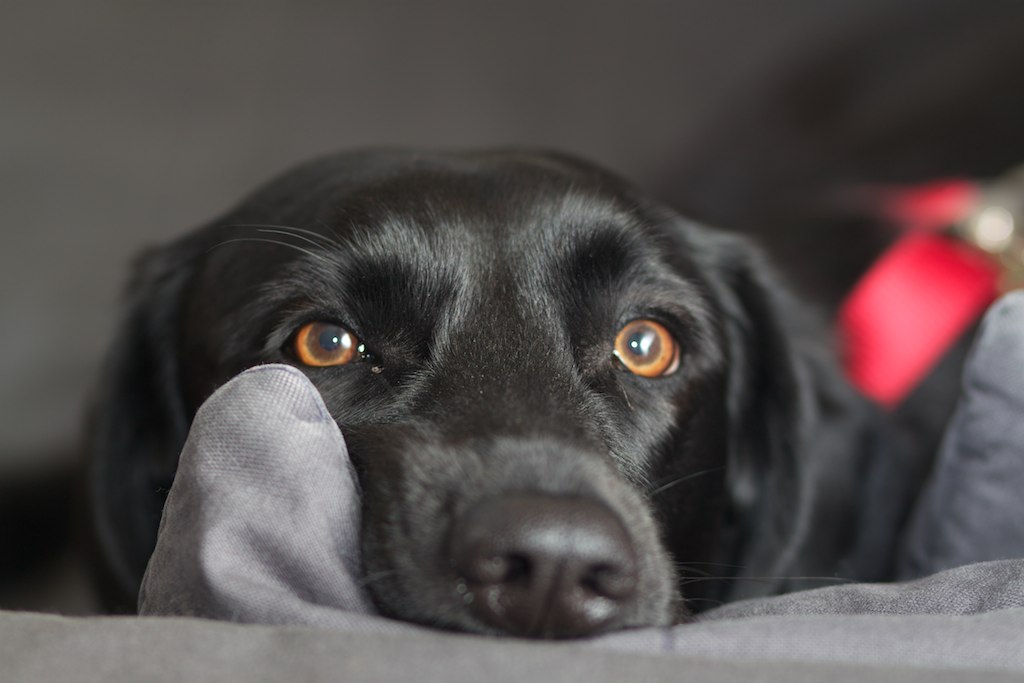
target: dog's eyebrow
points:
(600, 258)
(616, 263)
(399, 298)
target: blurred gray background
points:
(126, 123)
(123, 124)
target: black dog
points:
(563, 400)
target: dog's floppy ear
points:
(785, 397)
(139, 424)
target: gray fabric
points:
(992, 640)
(261, 526)
(262, 522)
(970, 589)
(36, 648)
(973, 508)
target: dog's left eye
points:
(323, 345)
(647, 349)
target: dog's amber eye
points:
(647, 349)
(325, 344)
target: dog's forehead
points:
(514, 222)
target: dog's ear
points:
(138, 425)
(786, 400)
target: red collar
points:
(920, 296)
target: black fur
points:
(488, 288)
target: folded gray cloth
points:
(973, 507)
(261, 526)
(262, 522)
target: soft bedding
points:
(261, 527)
(262, 524)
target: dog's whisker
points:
(626, 396)
(314, 255)
(331, 230)
(684, 568)
(766, 579)
(694, 567)
(295, 231)
(633, 472)
(682, 479)
(316, 244)
(713, 564)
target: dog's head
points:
(564, 402)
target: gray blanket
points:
(36, 648)
(261, 527)
(974, 507)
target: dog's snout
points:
(544, 566)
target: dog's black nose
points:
(544, 566)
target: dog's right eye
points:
(323, 345)
(647, 349)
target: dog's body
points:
(486, 291)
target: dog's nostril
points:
(517, 569)
(610, 581)
(545, 566)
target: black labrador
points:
(571, 410)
